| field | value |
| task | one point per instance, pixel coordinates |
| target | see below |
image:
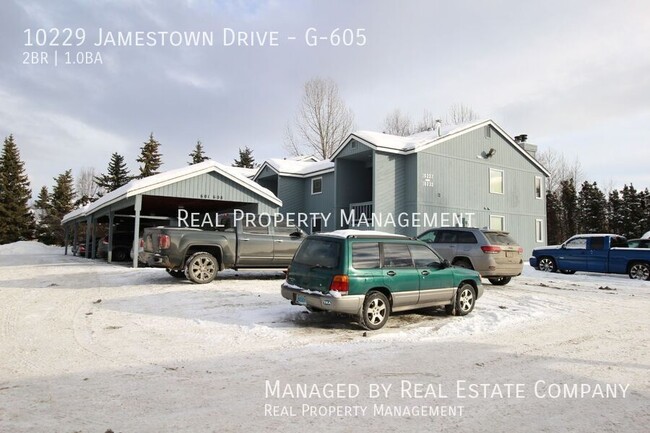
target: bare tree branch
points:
(560, 169)
(86, 188)
(397, 123)
(427, 123)
(461, 113)
(323, 120)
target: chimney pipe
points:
(437, 126)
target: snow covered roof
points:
(246, 172)
(423, 140)
(311, 158)
(141, 186)
(297, 168)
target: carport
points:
(156, 200)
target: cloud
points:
(563, 72)
(51, 142)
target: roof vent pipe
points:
(437, 126)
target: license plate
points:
(300, 300)
(509, 253)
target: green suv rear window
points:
(319, 252)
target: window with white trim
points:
(497, 222)
(317, 185)
(496, 181)
(539, 231)
(538, 188)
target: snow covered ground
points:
(86, 346)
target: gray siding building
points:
(471, 175)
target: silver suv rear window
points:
(499, 238)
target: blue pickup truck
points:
(594, 253)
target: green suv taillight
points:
(340, 284)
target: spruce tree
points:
(117, 174)
(644, 222)
(614, 212)
(62, 202)
(554, 232)
(593, 209)
(150, 158)
(246, 159)
(631, 213)
(43, 208)
(16, 219)
(198, 154)
(569, 203)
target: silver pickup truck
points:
(200, 254)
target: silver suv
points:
(493, 254)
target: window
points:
(424, 257)
(597, 243)
(500, 238)
(487, 131)
(365, 255)
(496, 181)
(257, 226)
(397, 256)
(466, 238)
(429, 237)
(576, 244)
(284, 229)
(446, 237)
(539, 233)
(497, 222)
(318, 252)
(538, 187)
(317, 185)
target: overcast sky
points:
(573, 75)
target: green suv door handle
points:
(391, 273)
(425, 272)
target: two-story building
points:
(472, 175)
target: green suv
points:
(371, 274)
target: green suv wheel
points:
(375, 312)
(465, 300)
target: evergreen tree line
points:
(42, 221)
(591, 210)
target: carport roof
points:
(142, 186)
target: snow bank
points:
(29, 247)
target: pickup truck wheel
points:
(640, 271)
(546, 264)
(375, 311)
(499, 281)
(465, 299)
(202, 268)
(176, 273)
